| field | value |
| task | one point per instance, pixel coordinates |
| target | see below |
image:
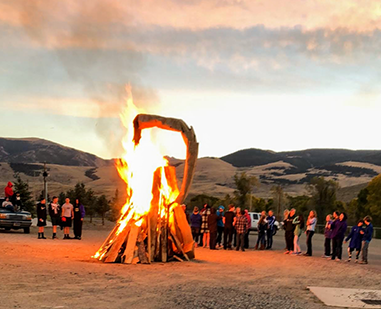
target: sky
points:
(278, 75)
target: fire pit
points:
(152, 226)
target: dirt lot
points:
(60, 274)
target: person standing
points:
(368, 234)
(289, 231)
(79, 214)
(228, 227)
(201, 233)
(311, 224)
(67, 217)
(41, 218)
(327, 237)
(237, 214)
(220, 225)
(338, 232)
(196, 220)
(248, 218)
(299, 226)
(262, 227)
(241, 229)
(270, 229)
(212, 225)
(335, 216)
(205, 227)
(55, 215)
(355, 236)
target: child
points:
(327, 235)
(41, 218)
(311, 224)
(262, 227)
(67, 217)
(241, 229)
(299, 226)
(368, 233)
(355, 236)
(55, 215)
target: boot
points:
(256, 247)
(42, 236)
(262, 247)
(54, 236)
(39, 235)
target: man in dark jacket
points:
(368, 234)
(228, 228)
(289, 228)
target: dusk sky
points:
(279, 75)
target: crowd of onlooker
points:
(64, 216)
(216, 228)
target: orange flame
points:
(137, 167)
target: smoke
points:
(92, 41)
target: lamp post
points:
(45, 175)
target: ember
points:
(152, 225)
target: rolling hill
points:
(213, 176)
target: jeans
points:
(228, 236)
(290, 240)
(240, 241)
(337, 249)
(309, 242)
(212, 240)
(365, 246)
(327, 247)
(220, 231)
(269, 233)
(247, 240)
(261, 238)
(195, 233)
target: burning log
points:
(162, 232)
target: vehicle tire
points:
(26, 230)
(275, 230)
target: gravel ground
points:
(60, 274)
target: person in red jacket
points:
(9, 191)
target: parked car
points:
(15, 220)
(255, 216)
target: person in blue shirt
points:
(220, 225)
(355, 236)
(270, 229)
(368, 233)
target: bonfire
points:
(152, 226)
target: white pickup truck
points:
(254, 216)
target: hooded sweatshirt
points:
(8, 190)
(338, 229)
(355, 237)
(220, 222)
(196, 220)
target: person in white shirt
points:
(67, 217)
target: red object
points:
(8, 190)
(248, 220)
(63, 219)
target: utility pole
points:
(45, 175)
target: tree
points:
(373, 200)
(116, 206)
(102, 206)
(323, 196)
(245, 185)
(279, 197)
(22, 187)
(201, 199)
(90, 205)
(300, 203)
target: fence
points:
(376, 230)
